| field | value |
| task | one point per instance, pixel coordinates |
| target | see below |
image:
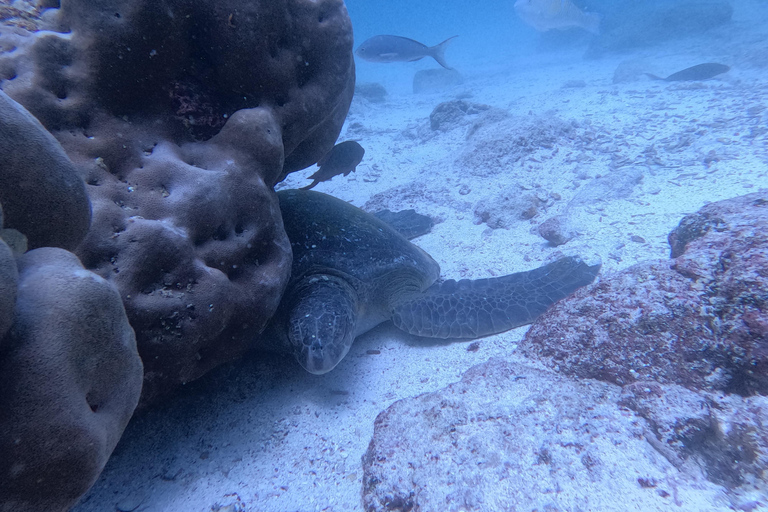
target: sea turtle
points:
(352, 271)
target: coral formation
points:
(41, 191)
(182, 116)
(175, 119)
(70, 378)
(9, 277)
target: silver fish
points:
(400, 49)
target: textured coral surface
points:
(70, 378)
(166, 125)
(9, 276)
(181, 117)
(40, 190)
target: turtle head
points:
(321, 322)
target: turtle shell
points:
(331, 236)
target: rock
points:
(436, 80)
(371, 91)
(512, 205)
(450, 114)
(573, 84)
(417, 194)
(70, 378)
(619, 184)
(715, 224)
(724, 435)
(630, 71)
(42, 193)
(644, 24)
(509, 437)
(212, 103)
(699, 320)
(556, 230)
(497, 140)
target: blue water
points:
(489, 31)
(492, 36)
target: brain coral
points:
(182, 115)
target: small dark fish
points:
(400, 49)
(341, 159)
(697, 72)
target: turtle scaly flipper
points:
(321, 322)
(475, 308)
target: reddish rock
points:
(556, 230)
(698, 320)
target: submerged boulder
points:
(511, 434)
(678, 420)
(699, 320)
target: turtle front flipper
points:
(471, 309)
(321, 322)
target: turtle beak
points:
(317, 359)
(319, 345)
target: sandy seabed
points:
(623, 163)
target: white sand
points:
(265, 435)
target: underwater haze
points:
(588, 128)
(531, 274)
(492, 36)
